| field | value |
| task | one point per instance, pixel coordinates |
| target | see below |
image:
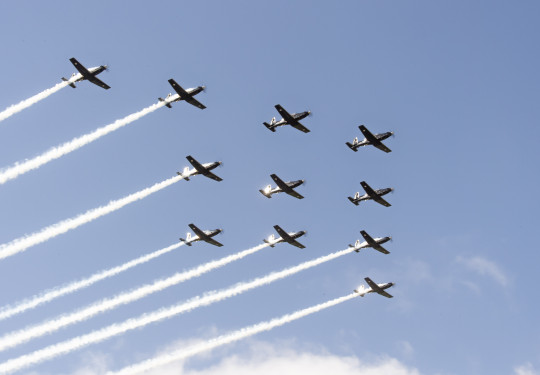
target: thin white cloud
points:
(272, 359)
(526, 369)
(484, 267)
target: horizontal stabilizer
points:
(270, 127)
(264, 193)
(69, 83)
(168, 105)
(353, 201)
(268, 242)
(184, 241)
(351, 146)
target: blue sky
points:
(457, 82)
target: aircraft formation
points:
(281, 185)
(292, 119)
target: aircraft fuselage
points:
(176, 98)
(268, 191)
(76, 77)
(272, 240)
(358, 198)
(381, 137)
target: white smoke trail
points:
(76, 143)
(50, 295)
(158, 315)
(228, 338)
(11, 110)
(18, 337)
(22, 243)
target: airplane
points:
(285, 187)
(374, 243)
(374, 288)
(181, 94)
(371, 194)
(285, 237)
(86, 74)
(288, 119)
(203, 169)
(201, 235)
(370, 139)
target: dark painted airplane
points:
(374, 288)
(288, 119)
(285, 237)
(374, 243)
(370, 139)
(282, 186)
(181, 94)
(371, 194)
(199, 168)
(86, 74)
(201, 235)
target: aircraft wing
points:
(284, 187)
(195, 102)
(373, 195)
(299, 126)
(381, 146)
(373, 243)
(379, 200)
(373, 140)
(197, 231)
(372, 285)
(295, 243)
(383, 293)
(367, 188)
(80, 67)
(286, 115)
(100, 83)
(212, 176)
(212, 241)
(285, 236)
(203, 236)
(201, 169)
(381, 249)
(179, 90)
(376, 288)
(185, 95)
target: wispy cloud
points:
(270, 359)
(526, 369)
(484, 267)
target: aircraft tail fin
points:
(184, 241)
(361, 290)
(185, 173)
(266, 191)
(270, 127)
(69, 83)
(356, 246)
(168, 105)
(351, 146)
(267, 240)
(353, 201)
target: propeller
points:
(204, 88)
